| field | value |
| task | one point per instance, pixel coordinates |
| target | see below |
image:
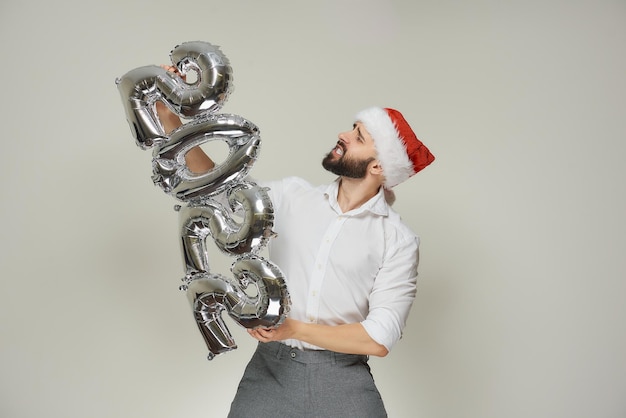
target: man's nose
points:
(344, 136)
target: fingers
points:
(169, 68)
(263, 335)
(173, 69)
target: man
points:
(351, 267)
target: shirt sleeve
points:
(393, 294)
(275, 189)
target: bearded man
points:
(350, 264)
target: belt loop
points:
(333, 357)
(279, 350)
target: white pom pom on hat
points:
(400, 152)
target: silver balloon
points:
(142, 87)
(208, 295)
(270, 306)
(252, 233)
(266, 306)
(204, 215)
(174, 177)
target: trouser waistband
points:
(281, 350)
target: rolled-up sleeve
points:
(393, 293)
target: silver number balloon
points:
(210, 294)
(172, 174)
(198, 221)
(142, 87)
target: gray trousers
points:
(284, 382)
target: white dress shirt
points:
(359, 266)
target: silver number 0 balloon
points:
(213, 199)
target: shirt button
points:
(293, 354)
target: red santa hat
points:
(400, 153)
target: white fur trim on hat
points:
(392, 153)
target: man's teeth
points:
(339, 150)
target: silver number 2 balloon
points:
(221, 203)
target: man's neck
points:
(353, 193)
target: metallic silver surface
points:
(141, 87)
(265, 306)
(237, 214)
(174, 177)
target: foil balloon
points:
(174, 177)
(142, 87)
(220, 203)
(198, 221)
(210, 295)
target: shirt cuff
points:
(384, 333)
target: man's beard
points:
(346, 166)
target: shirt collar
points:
(376, 205)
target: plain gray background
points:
(520, 309)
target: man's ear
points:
(376, 168)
